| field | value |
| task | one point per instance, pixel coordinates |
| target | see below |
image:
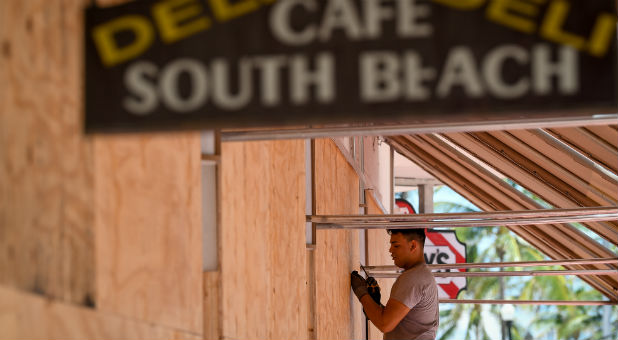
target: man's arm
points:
(385, 318)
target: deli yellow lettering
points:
(175, 20)
(225, 11)
(105, 41)
(551, 28)
(600, 38)
(602, 34)
(525, 16)
(516, 14)
(178, 19)
(461, 4)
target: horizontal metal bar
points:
(414, 182)
(464, 216)
(417, 128)
(607, 260)
(531, 302)
(468, 224)
(507, 273)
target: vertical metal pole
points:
(425, 198)
(310, 234)
(309, 207)
(210, 144)
(209, 201)
(353, 149)
(392, 181)
(362, 236)
(362, 154)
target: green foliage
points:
(540, 322)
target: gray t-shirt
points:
(417, 289)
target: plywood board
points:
(338, 313)
(29, 316)
(378, 243)
(148, 225)
(212, 305)
(46, 164)
(262, 251)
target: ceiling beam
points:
(501, 151)
(589, 144)
(464, 175)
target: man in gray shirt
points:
(412, 309)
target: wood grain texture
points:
(46, 164)
(607, 133)
(212, 305)
(148, 224)
(29, 316)
(338, 313)
(263, 256)
(378, 243)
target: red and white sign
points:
(442, 247)
(404, 206)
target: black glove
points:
(374, 289)
(359, 285)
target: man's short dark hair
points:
(410, 234)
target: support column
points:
(310, 234)
(425, 198)
(211, 194)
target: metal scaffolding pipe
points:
(531, 302)
(411, 129)
(459, 220)
(565, 262)
(508, 273)
(514, 222)
(464, 216)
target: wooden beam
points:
(536, 178)
(590, 145)
(607, 133)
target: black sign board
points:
(157, 64)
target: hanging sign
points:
(176, 64)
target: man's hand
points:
(374, 289)
(359, 285)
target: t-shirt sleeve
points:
(407, 293)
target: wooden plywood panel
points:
(338, 314)
(212, 305)
(148, 225)
(46, 164)
(263, 259)
(28, 316)
(378, 243)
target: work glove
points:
(359, 285)
(374, 289)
